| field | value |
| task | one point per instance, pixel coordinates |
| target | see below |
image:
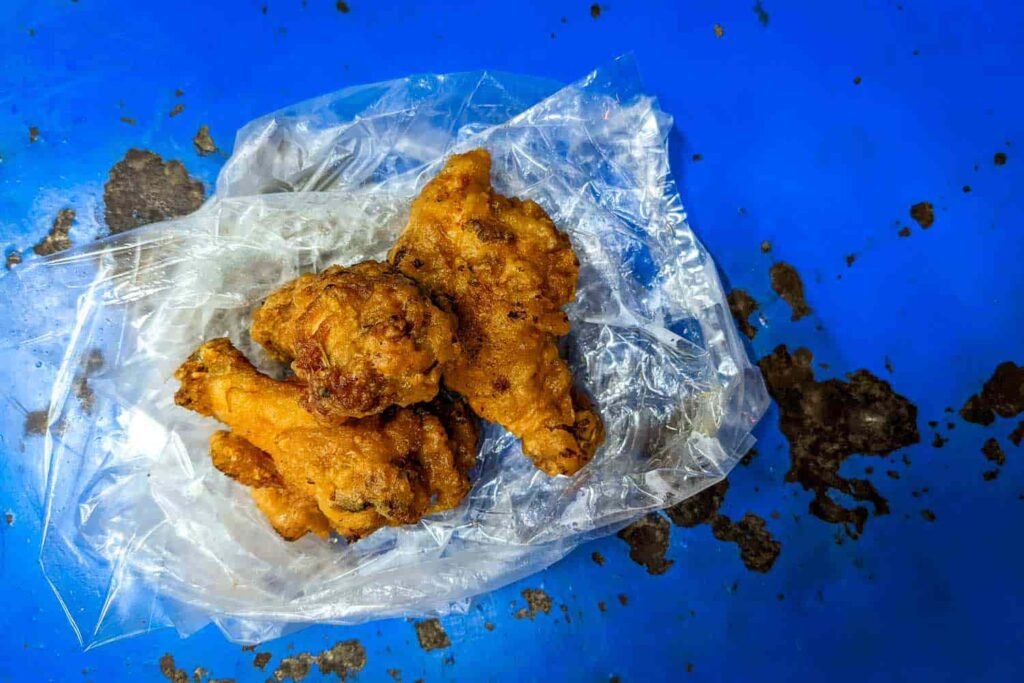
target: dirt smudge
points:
(928, 515)
(346, 658)
(598, 558)
(701, 508)
(758, 549)
(57, 239)
(595, 11)
(923, 213)
(536, 601)
(203, 141)
(261, 660)
(762, 14)
(787, 284)
(142, 188)
(170, 670)
(742, 306)
(993, 452)
(648, 542)
(1017, 435)
(33, 134)
(719, 31)
(1002, 395)
(178, 108)
(826, 422)
(432, 635)
(999, 158)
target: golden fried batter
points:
(292, 513)
(389, 469)
(506, 271)
(361, 337)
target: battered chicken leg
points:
(506, 271)
(389, 469)
(361, 337)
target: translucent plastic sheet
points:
(141, 531)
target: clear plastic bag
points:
(140, 531)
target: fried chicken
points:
(361, 337)
(389, 469)
(505, 270)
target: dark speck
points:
(966, 188)
(850, 259)
(762, 15)
(787, 284)
(178, 108)
(856, 80)
(342, 7)
(923, 213)
(33, 134)
(648, 542)
(595, 10)
(904, 232)
(999, 159)
(432, 635)
(697, 157)
(928, 515)
(598, 558)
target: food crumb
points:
(432, 635)
(993, 452)
(261, 659)
(648, 542)
(623, 599)
(766, 246)
(178, 108)
(742, 306)
(923, 213)
(33, 134)
(595, 11)
(341, 6)
(904, 232)
(489, 626)
(601, 606)
(787, 284)
(57, 239)
(598, 558)
(990, 475)
(999, 159)
(719, 31)
(928, 515)
(203, 141)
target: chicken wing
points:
(505, 270)
(362, 338)
(389, 469)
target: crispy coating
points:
(362, 338)
(389, 469)
(506, 271)
(292, 513)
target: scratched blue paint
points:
(792, 152)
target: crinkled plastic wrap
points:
(141, 531)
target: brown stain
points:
(701, 508)
(536, 601)
(1002, 395)
(904, 232)
(261, 660)
(742, 306)
(928, 515)
(648, 542)
(396, 675)
(342, 7)
(142, 188)
(489, 626)
(344, 659)
(623, 599)
(762, 14)
(719, 31)
(598, 558)
(826, 422)
(993, 452)
(203, 141)
(1017, 435)
(923, 213)
(57, 239)
(999, 158)
(758, 548)
(36, 422)
(601, 606)
(766, 247)
(787, 284)
(595, 11)
(178, 108)
(33, 134)
(129, 120)
(432, 635)
(170, 670)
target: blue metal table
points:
(814, 126)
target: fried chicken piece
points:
(506, 271)
(362, 338)
(389, 469)
(292, 513)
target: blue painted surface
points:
(793, 152)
